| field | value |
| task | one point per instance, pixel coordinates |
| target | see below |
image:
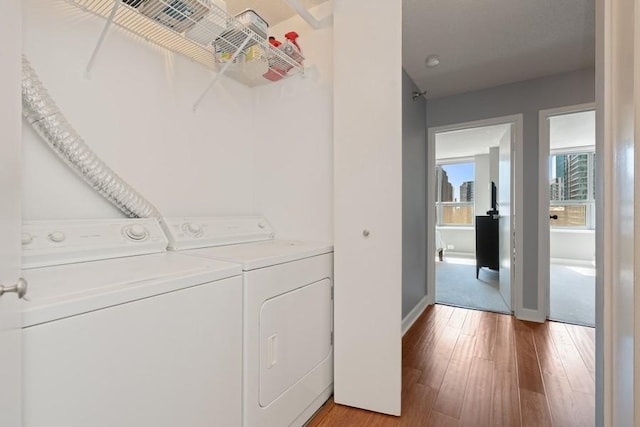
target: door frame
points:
(517, 202)
(544, 234)
(10, 216)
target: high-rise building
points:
(446, 189)
(466, 191)
(571, 177)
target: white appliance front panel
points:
(64, 242)
(166, 361)
(203, 232)
(310, 391)
(65, 290)
(263, 254)
(295, 337)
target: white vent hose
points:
(46, 118)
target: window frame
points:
(589, 202)
(439, 205)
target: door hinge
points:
(331, 337)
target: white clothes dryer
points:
(147, 340)
(287, 309)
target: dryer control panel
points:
(204, 232)
(69, 241)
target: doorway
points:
(473, 223)
(568, 226)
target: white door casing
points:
(516, 120)
(368, 205)
(543, 195)
(506, 240)
(10, 214)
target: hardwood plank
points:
(476, 407)
(321, 413)
(472, 322)
(437, 419)
(504, 350)
(548, 357)
(584, 343)
(437, 358)
(457, 318)
(560, 399)
(446, 370)
(417, 405)
(529, 375)
(534, 409)
(451, 393)
(505, 402)
(486, 336)
(579, 376)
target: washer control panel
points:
(203, 232)
(69, 241)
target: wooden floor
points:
(471, 368)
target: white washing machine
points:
(149, 339)
(288, 314)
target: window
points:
(571, 189)
(455, 193)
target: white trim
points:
(516, 170)
(413, 315)
(543, 198)
(531, 315)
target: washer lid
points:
(264, 254)
(66, 290)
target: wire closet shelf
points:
(201, 31)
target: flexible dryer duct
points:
(46, 118)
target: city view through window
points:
(572, 190)
(454, 194)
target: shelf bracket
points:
(103, 34)
(221, 72)
(315, 23)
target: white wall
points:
(293, 139)
(135, 112)
(482, 184)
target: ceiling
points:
(469, 142)
(566, 131)
(485, 43)
(272, 11)
(481, 43)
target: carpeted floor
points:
(572, 294)
(456, 284)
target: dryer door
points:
(295, 337)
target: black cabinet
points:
(487, 249)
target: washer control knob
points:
(262, 224)
(27, 238)
(57, 236)
(136, 232)
(192, 229)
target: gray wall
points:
(414, 144)
(525, 98)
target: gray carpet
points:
(456, 284)
(573, 295)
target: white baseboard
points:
(413, 315)
(530, 315)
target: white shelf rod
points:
(221, 72)
(103, 34)
(315, 23)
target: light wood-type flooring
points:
(472, 368)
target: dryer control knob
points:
(27, 238)
(194, 230)
(57, 236)
(262, 224)
(136, 232)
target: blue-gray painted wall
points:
(527, 98)
(414, 161)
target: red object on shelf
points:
(292, 36)
(274, 42)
